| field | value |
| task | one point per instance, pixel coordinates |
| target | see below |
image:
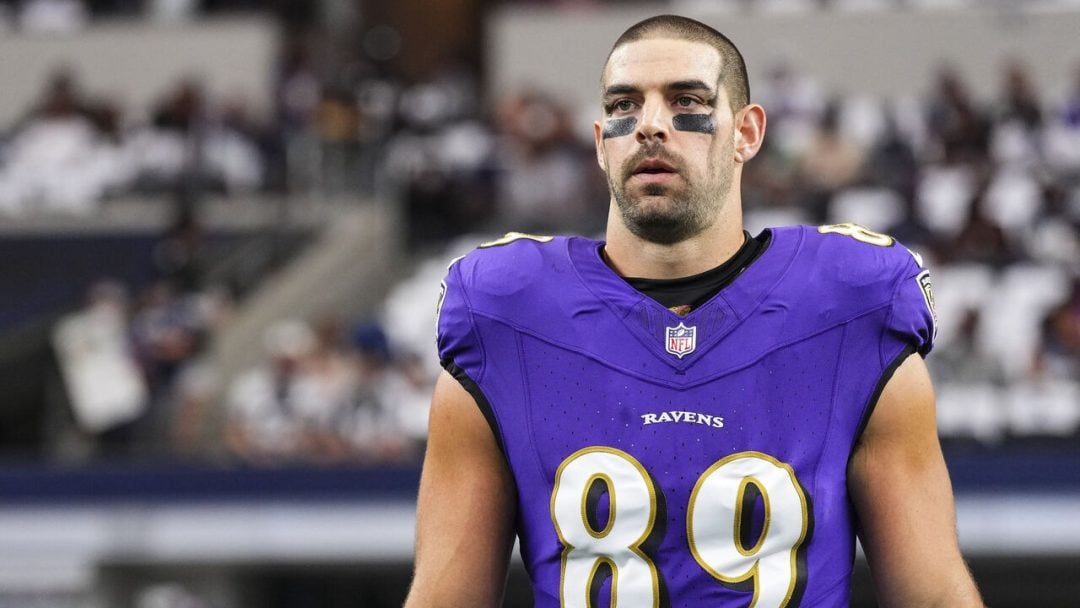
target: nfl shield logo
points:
(681, 340)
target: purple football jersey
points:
(697, 460)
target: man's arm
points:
(466, 509)
(901, 490)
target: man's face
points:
(666, 141)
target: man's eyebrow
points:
(690, 85)
(678, 85)
(621, 89)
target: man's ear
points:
(749, 132)
(598, 136)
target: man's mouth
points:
(653, 167)
(653, 171)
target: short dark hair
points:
(732, 66)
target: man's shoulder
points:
(843, 268)
(520, 279)
(855, 256)
(842, 272)
(510, 264)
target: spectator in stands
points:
(441, 160)
(892, 162)
(105, 391)
(1058, 355)
(297, 92)
(372, 427)
(1020, 102)
(187, 146)
(162, 148)
(174, 334)
(894, 165)
(406, 395)
(959, 128)
(263, 420)
(830, 163)
(169, 331)
(981, 240)
(180, 257)
(333, 381)
(182, 109)
(795, 106)
(57, 160)
(1017, 141)
(337, 125)
(963, 359)
(543, 180)
(234, 149)
(191, 408)
(791, 98)
(771, 180)
(1054, 237)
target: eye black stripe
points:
(619, 127)
(699, 123)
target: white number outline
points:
(859, 233)
(510, 237)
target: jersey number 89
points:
(715, 526)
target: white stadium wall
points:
(135, 64)
(889, 54)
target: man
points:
(683, 415)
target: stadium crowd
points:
(988, 190)
(136, 366)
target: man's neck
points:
(632, 256)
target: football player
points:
(684, 414)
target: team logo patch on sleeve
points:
(681, 340)
(928, 294)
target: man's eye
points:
(685, 102)
(624, 105)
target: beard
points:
(690, 207)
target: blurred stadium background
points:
(223, 224)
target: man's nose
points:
(655, 123)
